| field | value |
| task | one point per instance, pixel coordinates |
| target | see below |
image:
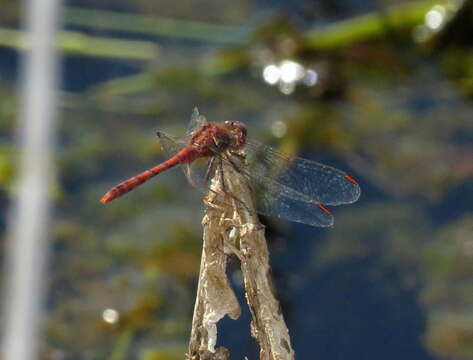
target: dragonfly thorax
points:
(214, 138)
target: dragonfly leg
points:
(222, 181)
(234, 165)
(223, 184)
(238, 155)
(238, 170)
(222, 176)
(210, 164)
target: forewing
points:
(196, 121)
(321, 183)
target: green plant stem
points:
(77, 43)
(369, 27)
(154, 26)
(344, 33)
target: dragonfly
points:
(288, 187)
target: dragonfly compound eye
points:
(239, 134)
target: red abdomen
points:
(186, 155)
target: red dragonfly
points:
(293, 188)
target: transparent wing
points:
(318, 182)
(273, 198)
(196, 121)
(274, 201)
(286, 187)
(199, 172)
(169, 144)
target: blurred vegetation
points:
(392, 104)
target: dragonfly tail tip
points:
(105, 199)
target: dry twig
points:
(227, 219)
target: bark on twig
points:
(215, 298)
(226, 220)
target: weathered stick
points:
(215, 298)
(230, 217)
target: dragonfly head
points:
(238, 133)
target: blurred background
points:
(381, 89)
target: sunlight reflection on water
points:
(287, 74)
(110, 316)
